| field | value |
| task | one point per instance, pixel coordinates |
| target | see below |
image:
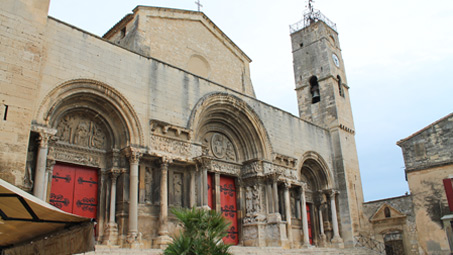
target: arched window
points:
(314, 90)
(340, 86)
(387, 212)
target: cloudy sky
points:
(398, 56)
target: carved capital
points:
(114, 173)
(303, 187)
(133, 154)
(332, 193)
(204, 162)
(164, 162)
(287, 185)
(45, 137)
(45, 134)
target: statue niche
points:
(79, 129)
(219, 146)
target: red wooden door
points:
(310, 235)
(74, 190)
(229, 208)
(210, 192)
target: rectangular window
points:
(449, 191)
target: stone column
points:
(134, 158)
(49, 172)
(111, 235)
(303, 203)
(192, 199)
(205, 187)
(288, 212)
(199, 185)
(40, 187)
(216, 184)
(163, 240)
(275, 193)
(321, 225)
(336, 233)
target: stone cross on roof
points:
(310, 5)
(199, 5)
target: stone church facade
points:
(161, 113)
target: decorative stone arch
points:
(314, 167)
(94, 96)
(236, 120)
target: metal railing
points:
(369, 243)
(311, 17)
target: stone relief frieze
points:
(170, 146)
(219, 146)
(75, 155)
(162, 128)
(79, 130)
(284, 160)
(287, 173)
(252, 169)
(224, 167)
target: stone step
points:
(240, 250)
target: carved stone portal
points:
(79, 129)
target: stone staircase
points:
(240, 250)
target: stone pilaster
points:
(270, 200)
(192, 198)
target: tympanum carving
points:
(80, 130)
(219, 146)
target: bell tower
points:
(323, 99)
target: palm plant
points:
(202, 233)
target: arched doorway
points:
(92, 127)
(231, 136)
(320, 200)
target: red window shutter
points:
(449, 191)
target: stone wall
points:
(159, 91)
(430, 146)
(430, 205)
(21, 34)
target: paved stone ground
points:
(238, 250)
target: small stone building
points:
(161, 113)
(428, 157)
(393, 225)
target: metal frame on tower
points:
(311, 15)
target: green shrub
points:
(202, 233)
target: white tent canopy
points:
(25, 217)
